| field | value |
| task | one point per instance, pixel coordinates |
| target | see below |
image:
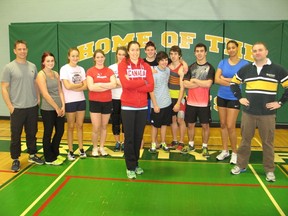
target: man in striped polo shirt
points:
(261, 80)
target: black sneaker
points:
(173, 145)
(15, 165)
(35, 159)
(122, 146)
(117, 147)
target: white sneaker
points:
(270, 177)
(237, 170)
(95, 152)
(103, 152)
(224, 154)
(233, 159)
(71, 156)
(82, 154)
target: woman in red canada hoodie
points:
(136, 78)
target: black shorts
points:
(75, 106)
(164, 117)
(233, 104)
(203, 113)
(100, 107)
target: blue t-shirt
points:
(228, 71)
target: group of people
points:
(179, 96)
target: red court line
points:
(67, 178)
(50, 198)
(162, 182)
(40, 174)
(178, 183)
(167, 182)
(7, 171)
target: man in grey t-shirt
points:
(20, 94)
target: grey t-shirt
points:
(21, 79)
(161, 89)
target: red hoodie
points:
(139, 83)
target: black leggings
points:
(134, 122)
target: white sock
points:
(204, 145)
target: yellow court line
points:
(48, 189)
(260, 144)
(267, 191)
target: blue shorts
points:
(75, 106)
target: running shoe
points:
(82, 153)
(95, 152)
(153, 148)
(15, 165)
(71, 156)
(117, 147)
(237, 170)
(35, 159)
(233, 159)
(224, 154)
(164, 146)
(270, 177)
(56, 162)
(173, 145)
(139, 171)
(180, 146)
(205, 152)
(60, 157)
(131, 174)
(103, 152)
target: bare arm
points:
(41, 82)
(176, 107)
(190, 83)
(110, 85)
(61, 94)
(185, 66)
(154, 102)
(71, 86)
(100, 87)
(6, 98)
(220, 79)
(203, 83)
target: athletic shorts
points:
(202, 113)
(233, 104)
(100, 107)
(164, 117)
(75, 106)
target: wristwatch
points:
(280, 103)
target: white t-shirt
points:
(116, 92)
(73, 75)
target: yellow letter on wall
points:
(103, 44)
(169, 38)
(186, 39)
(143, 38)
(86, 51)
(118, 41)
(214, 41)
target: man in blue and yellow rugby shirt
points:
(261, 79)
